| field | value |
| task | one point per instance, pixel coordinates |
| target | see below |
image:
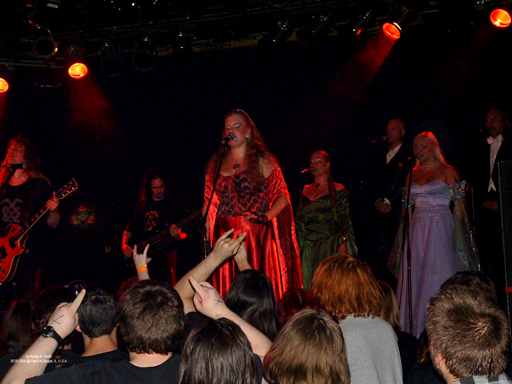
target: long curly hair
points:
(256, 150)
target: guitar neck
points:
(152, 240)
(30, 223)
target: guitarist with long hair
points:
(158, 211)
(24, 190)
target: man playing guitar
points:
(156, 211)
(23, 192)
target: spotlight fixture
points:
(362, 24)
(42, 42)
(4, 85)
(6, 72)
(282, 33)
(182, 48)
(501, 17)
(318, 27)
(110, 63)
(396, 24)
(144, 57)
(75, 65)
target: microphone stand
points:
(206, 244)
(408, 252)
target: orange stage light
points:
(391, 31)
(4, 85)
(500, 18)
(78, 70)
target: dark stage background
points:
(106, 132)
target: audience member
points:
(152, 322)
(407, 343)
(479, 284)
(251, 297)
(308, 350)
(468, 336)
(292, 302)
(217, 351)
(16, 328)
(41, 309)
(347, 289)
(98, 325)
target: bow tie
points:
(492, 140)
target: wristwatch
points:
(49, 332)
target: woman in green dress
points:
(322, 219)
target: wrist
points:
(49, 332)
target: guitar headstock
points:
(66, 190)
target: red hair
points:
(346, 286)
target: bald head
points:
(395, 132)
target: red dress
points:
(271, 248)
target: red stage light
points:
(4, 85)
(391, 31)
(500, 18)
(78, 70)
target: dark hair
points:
(17, 327)
(251, 297)
(345, 285)
(45, 304)
(97, 313)
(477, 281)
(469, 331)
(153, 174)
(310, 349)
(294, 301)
(218, 352)
(507, 127)
(151, 318)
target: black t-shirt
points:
(151, 217)
(105, 372)
(71, 358)
(19, 203)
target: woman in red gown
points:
(251, 196)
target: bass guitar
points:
(12, 246)
(162, 238)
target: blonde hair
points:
(390, 311)
(310, 349)
(430, 136)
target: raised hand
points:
(207, 300)
(64, 319)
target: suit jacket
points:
(391, 176)
(482, 172)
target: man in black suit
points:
(498, 147)
(390, 173)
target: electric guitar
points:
(162, 238)
(12, 246)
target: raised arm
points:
(224, 248)
(64, 320)
(209, 302)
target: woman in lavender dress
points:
(436, 234)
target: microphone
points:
(305, 170)
(227, 139)
(15, 167)
(383, 138)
